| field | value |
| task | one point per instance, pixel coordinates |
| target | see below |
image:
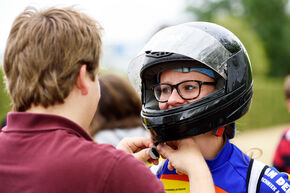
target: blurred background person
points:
(281, 159)
(118, 113)
(287, 92)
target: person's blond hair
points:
(44, 53)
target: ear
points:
(81, 82)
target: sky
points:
(127, 24)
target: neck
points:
(56, 110)
(73, 109)
(209, 144)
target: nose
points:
(175, 99)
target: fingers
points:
(155, 161)
(165, 150)
(181, 153)
(139, 143)
(134, 144)
(138, 147)
(142, 155)
(170, 166)
(162, 150)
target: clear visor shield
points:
(186, 40)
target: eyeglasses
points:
(189, 89)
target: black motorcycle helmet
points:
(199, 44)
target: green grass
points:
(268, 106)
(5, 104)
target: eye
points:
(165, 89)
(189, 87)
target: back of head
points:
(44, 53)
(119, 105)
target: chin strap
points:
(220, 131)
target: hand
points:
(182, 154)
(138, 147)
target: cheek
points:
(99, 89)
(98, 93)
(205, 92)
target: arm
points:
(273, 181)
(186, 158)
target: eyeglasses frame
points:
(175, 86)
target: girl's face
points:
(208, 143)
(175, 77)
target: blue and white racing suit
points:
(231, 171)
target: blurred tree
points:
(268, 18)
(206, 10)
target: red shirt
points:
(42, 153)
(282, 154)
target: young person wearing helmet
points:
(196, 81)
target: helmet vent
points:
(157, 54)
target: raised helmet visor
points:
(179, 39)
